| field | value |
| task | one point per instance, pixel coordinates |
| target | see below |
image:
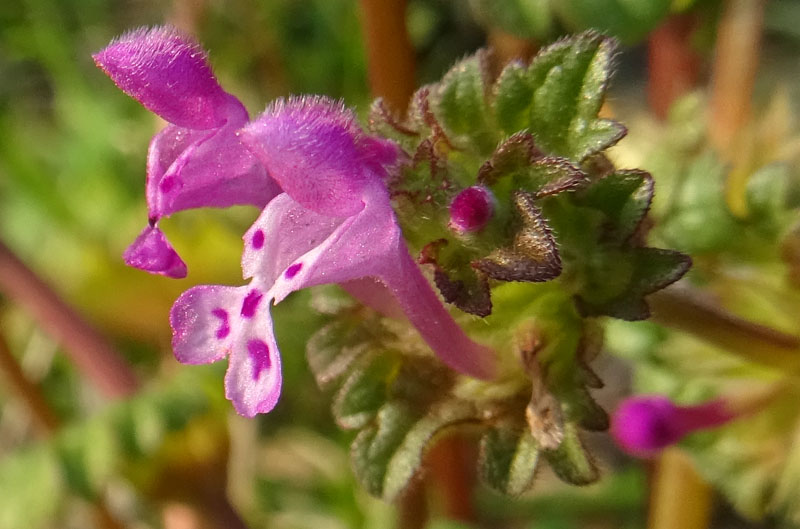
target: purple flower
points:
(471, 210)
(333, 224)
(642, 426)
(197, 160)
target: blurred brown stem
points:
(673, 65)
(690, 313)
(733, 74)
(679, 498)
(43, 416)
(389, 53)
(452, 462)
(508, 47)
(86, 347)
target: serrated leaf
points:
(570, 79)
(570, 461)
(513, 97)
(387, 455)
(383, 122)
(533, 256)
(333, 348)
(650, 270)
(508, 458)
(624, 197)
(364, 390)
(517, 164)
(459, 103)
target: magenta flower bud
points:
(644, 425)
(471, 210)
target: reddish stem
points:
(734, 71)
(673, 64)
(389, 53)
(86, 347)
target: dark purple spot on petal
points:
(259, 354)
(224, 329)
(292, 270)
(167, 184)
(258, 239)
(250, 303)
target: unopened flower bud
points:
(642, 426)
(471, 210)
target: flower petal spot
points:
(258, 240)
(251, 302)
(292, 270)
(167, 184)
(224, 328)
(259, 355)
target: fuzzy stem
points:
(754, 342)
(43, 415)
(673, 65)
(389, 53)
(88, 349)
(679, 498)
(734, 70)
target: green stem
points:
(688, 312)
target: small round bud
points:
(471, 210)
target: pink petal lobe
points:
(167, 72)
(316, 151)
(190, 169)
(253, 379)
(152, 253)
(201, 320)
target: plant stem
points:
(688, 312)
(734, 71)
(452, 462)
(87, 348)
(389, 53)
(673, 65)
(43, 415)
(679, 498)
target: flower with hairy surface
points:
(334, 223)
(197, 160)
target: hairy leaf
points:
(508, 458)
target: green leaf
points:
(89, 455)
(387, 455)
(629, 20)
(508, 458)
(513, 96)
(624, 197)
(570, 461)
(333, 349)
(459, 103)
(648, 270)
(364, 390)
(569, 79)
(527, 19)
(31, 488)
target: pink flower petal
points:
(316, 151)
(190, 169)
(167, 72)
(211, 322)
(153, 253)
